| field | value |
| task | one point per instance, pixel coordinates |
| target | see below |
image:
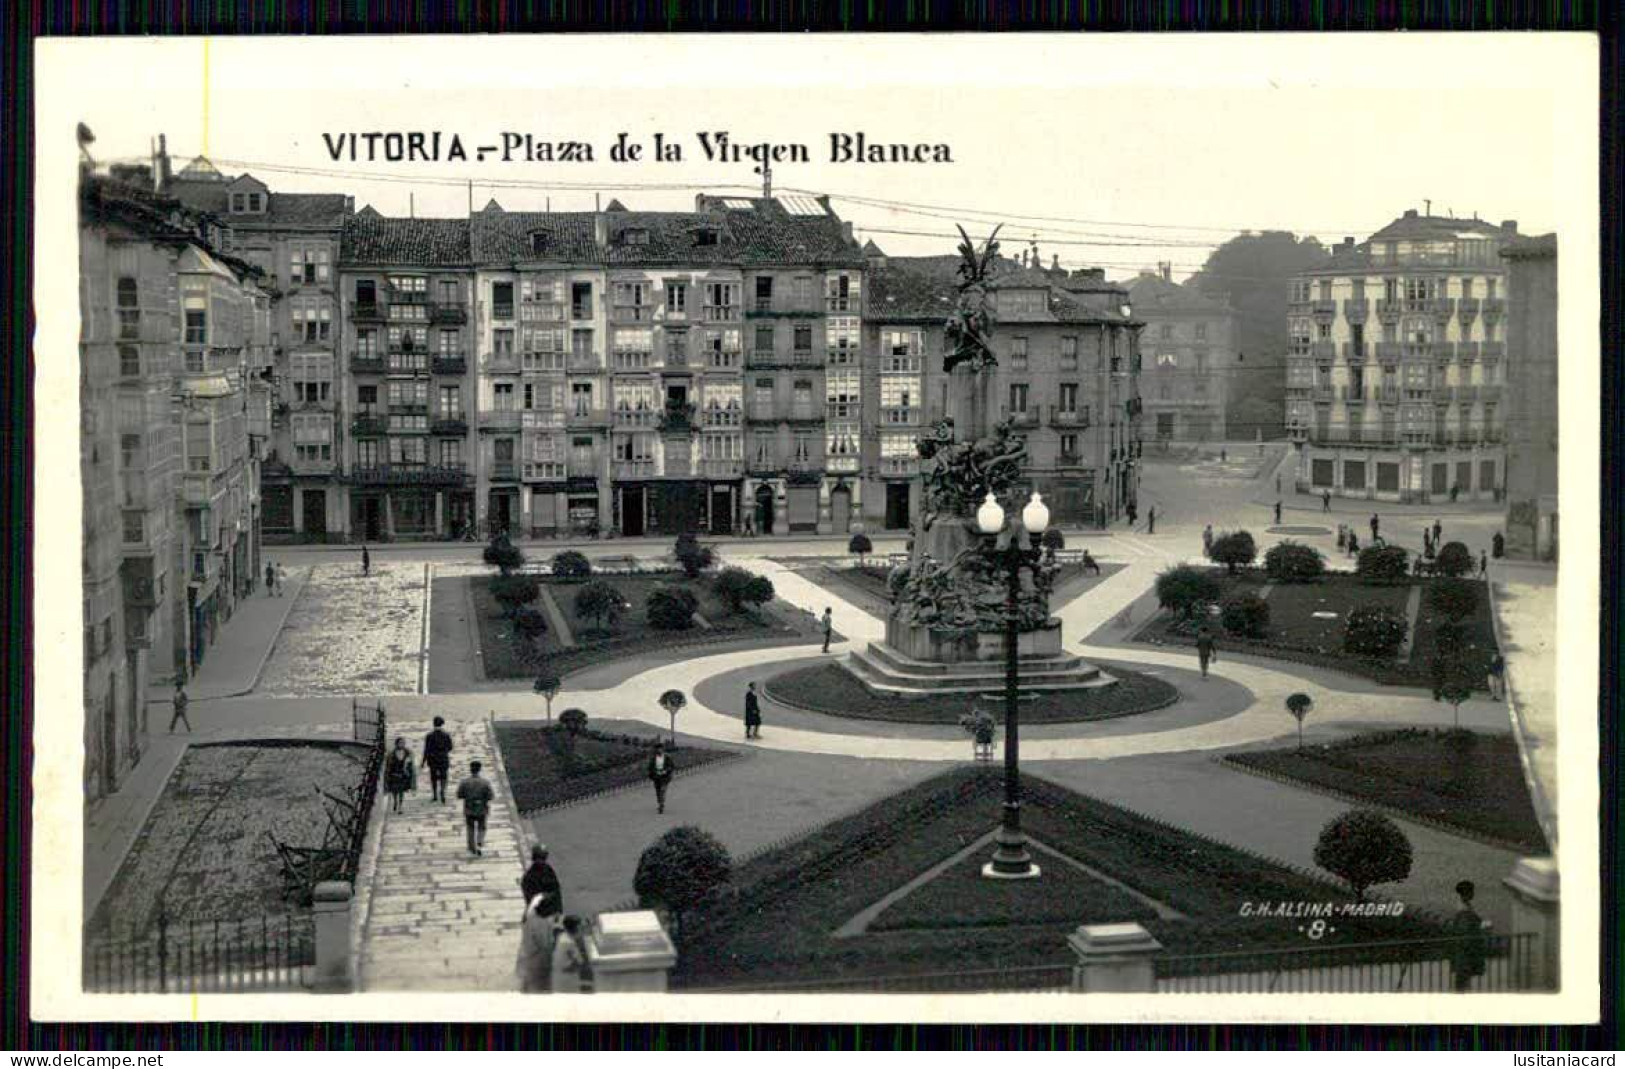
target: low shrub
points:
(1186, 590)
(1382, 564)
(1234, 549)
(1455, 560)
(681, 870)
(571, 565)
(1375, 631)
(1054, 540)
(529, 622)
(513, 591)
(671, 608)
(739, 588)
(1294, 562)
(573, 721)
(503, 555)
(1246, 614)
(693, 557)
(600, 602)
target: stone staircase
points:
(883, 670)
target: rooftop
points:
(371, 238)
(1151, 293)
(926, 287)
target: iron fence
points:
(1034, 979)
(1412, 965)
(266, 953)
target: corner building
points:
(1189, 360)
(1396, 365)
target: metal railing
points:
(1508, 964)
(266, 953)
(1052, 978)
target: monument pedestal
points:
(917, 661)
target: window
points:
(1299, 293)
(1357, 339)
(841, 393)
(366, 344)
(581, 300)
(897, 398)
(1323, 331)
(1325, 285)
(801, 403)
(581, 351)
(1069, 352)
(842, 339)
(197, 329)
(677, 298)
(803, 338)
(581, 398)
(502, 300)
(1167, 361)
(450, 453)
(129, 361)
(411, 452)
(312, 376)
(1018, 397)
(1069, 397)
(801, 292)
(705, 236)
(1467, 288)
(763, 397)
(764, 293)
(1201, 361)
(409, 394)
(312, 320)
(1069, 446)
(635, 237)
(367, 454)
(308, 264)
(135, 526)
(502, 344)
(676, 347)
(1018, 354)
(764, 340)
(312, 439)
(802, 449)
(1359, 290)
(1201, 328)
(503, 394)
(199, 447)
(1418, 289)
(366, 293)
(632, 300)
(129, 308)
(451, 403)
(449, 343)
(721, 300)
(1390, 289)
(1489, 288)
(538, 242)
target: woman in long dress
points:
(535, 964)
(400, 775)
(569, 958)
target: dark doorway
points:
(632, 505)
(501, 511)
(722, 510)
(677, 508)
(897, 518)
(840, 510)
(315, 509)
(764, 509)
(371, 519)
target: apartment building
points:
(1189, 359)
(1396, 364)
(406, 290)
(174, 361)
(293, 239)
(1531, 391)
(1067, 346)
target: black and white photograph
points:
(911, 528)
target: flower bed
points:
(776, 919)
(1296, 634)
(507, 653)
(350, 634)
(546, 768)
(1459, 779)
(832, 689)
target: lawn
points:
(546, 767)
(777, 918)
(1465, 780)
(1297, 634)
(832, 689)
(507, 653)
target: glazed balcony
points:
(634, 469)
(449, 425)
(366, 365)
(718, 418)
(369, 425)
(542, 419)
(541, 363)
(450, 314)
(410, 475)
(448, 364)
(588, 417)
(545, 471)
(625, 418)
(899, 465)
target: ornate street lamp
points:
(1010, 859)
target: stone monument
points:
(945, 630)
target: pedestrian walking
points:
(1455, 491)
(1090, 565)
(829, 626)
(1498, 670)
(1471, 946)
(1438, 529)
(1151, 521)
(1498, 545)
(366, 561)
(1376, 525)
(476, 795)
(1224, 456)
(536, 938)
(1483, 564)
(1354, 543)
(753, 713)
(1342, 537)
(1277, 513)
(400, 774)
(181, 702)
(437, 759)
(569, 959)
(270, 579)
(1207, 541)
(1206, 649)
(661, 771)
(1325, 501)
(540, 884)
(1133, 514)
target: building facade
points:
(1532, 405)
(1189, 358)
(1396, 366)
(174, 377)
(1069, 364)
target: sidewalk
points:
(1293, 501)
(1527, 626)
(232, 666)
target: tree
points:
(1299, 705)
(739, 589)
(1382, 564)
(1375, 631)
(693, 557)
(573, 721)
(1054, 541)
(512, 591)
(1246, 614)
(1234, 549)
(1364, 848)
(1250, 273)
(1186, 590)
(600, 602)
(679, 871)
(503, 555)
(571, 565)
(1294, 562)
(1453, 599)
(759, 592)
(673, 701)
(1454, 560)
(547, 685)
(670, 608)
(861, 546)
(1454, 679)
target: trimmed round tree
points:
(1234, 549)
(1453, 681)
(730, 586)
(1364, 848)
(573, 721)
(1382, 564)
(503, 555)
(1298, 705)
(1455, 560)
(1375, 631)
(1054, 541)
(673, 701)
(529, 622)
(758, 592)
(512, 591)
(547, 685)
(693, 557)
(599, 602)
(1247, 615)
(670, 608)
(571, 565)
(679, 871)
(861, 547)
(1294, 562)
(1186, 590)
(1453, 599)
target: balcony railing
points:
(502, 311)
(1323, 308)
(1467, 308)
(1068, 460)
(583, 464)
(722, 468)
(635, 417)
(899, 416)
(505, 471)
(456, 425)
(410, 475)
(763, 466)
(1389, 309)
(1356, 355)
(842, 462)
(721, 313)
(842, 305)
(719, 360)
(1389, 352)
(722, 417)
(634, 469)
(1444, 395)
(1388, 395)
(368, 426)
(1321, 393)
(585, 362)
(500, 362)
(541, 363)
(899, 465)
(632, 360)
(1467, 394)
(632, 313)
(499, 419)
(1021, 417)
(1492, 350)
(1323, 350)
(541, 419)
(1494, 307)
(449, 365)
(588, 417)
(805, 414)
(451, 313)
(367, 312)
(677, 419)
(545, 471)
(1353, 395)
(1490, 395)
(1467, 351)
(1355, 311)
(581, 310)
(1067, 417)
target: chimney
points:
(846, 230)
(1410, 213)
(600, 229)
(1166, 269)
(1510, 225)
(349, 204)
(163, 176)
(1055, 262)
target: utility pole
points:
(471, 198)
(766, 171)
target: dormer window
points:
(538, 242)
(705, 236)
(247, 203)
(641, 237)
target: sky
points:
(1119, 152)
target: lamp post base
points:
(991, 871)
(1011, 861)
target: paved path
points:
(1528, 628)
(232, 666)
(438, 919)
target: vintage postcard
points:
(909, 528)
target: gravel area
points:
(350, 634)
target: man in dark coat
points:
(1438, 529)
(1205, 649)
(1151, 521)
(366, 561)
(476, 795)
(540, 879)
(1376, 525)
(753, 713)
(1468, 954)
(661, 771)
(181, 702)
(437, 758)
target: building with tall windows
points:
(1188, 359)
(1396, 365)
(1068, 377)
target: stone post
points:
(629, 952)
(1114, 959)
(1534, 885)
(334, 972)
